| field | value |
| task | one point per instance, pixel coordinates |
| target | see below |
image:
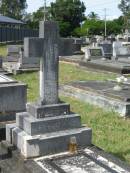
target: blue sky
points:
(97, 6)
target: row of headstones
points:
(67, 46)
(17, 60)
(107, 50)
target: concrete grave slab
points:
(101, 94)
(121, 67)
(87, 160)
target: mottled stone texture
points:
(33, 47)
(66, 46)
(49, 63)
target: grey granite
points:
(34, 126)
(41, 111)
(66, 47)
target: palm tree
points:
(93, 15)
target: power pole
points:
(105, 19)
(44, 10)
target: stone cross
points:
(46, 47)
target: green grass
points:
(3, 50)
(31, 79)
(110, 132)
(70, 73)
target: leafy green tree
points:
(33, 19)
(96, 27)
(69, 14)
(13, 8)
(124, 6)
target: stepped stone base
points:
(48, 133)
(54, 142)
(40, 111)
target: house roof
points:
(5, 19)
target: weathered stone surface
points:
(66, 47)
(33, 47)
(9, 128)
(108, 65)
(47, 143)
(91, 159)
(13, 49)
(47, 125)
(12, 100)
(12, 95)
(93, 53)
(41, 111)
(101, 94)
(107, 48)
(49, 66)
(33, 126)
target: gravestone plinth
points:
(48, 124)
(78, 42)
(12, 100)
(13, 53)
(17, 61)
(93, 53)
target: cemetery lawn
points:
(110, 132)
(3, 50)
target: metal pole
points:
(105, 24)
(44, 10)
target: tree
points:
(124, 6)
(32, 20)
(93, 15)
(13, 8)
(69, 14)
(96, 27)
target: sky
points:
(96, 6)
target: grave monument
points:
(48, 124)
(16, 60)
(107, 48)
(12, 100)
